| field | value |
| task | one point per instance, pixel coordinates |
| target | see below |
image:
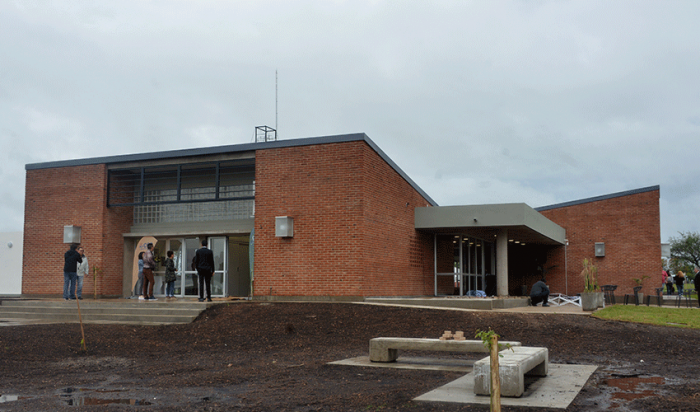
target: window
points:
(186, 192)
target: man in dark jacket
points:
(204, 263)
(539, 293)
(70, 271)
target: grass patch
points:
(653, 315)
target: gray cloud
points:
(479, 102)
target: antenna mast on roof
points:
(267, 133)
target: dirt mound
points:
(273, 356)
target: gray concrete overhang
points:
(523, 223)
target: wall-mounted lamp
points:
(474, 220)
(599, 249)
(284, 226)
(71, 234)
(9, 245)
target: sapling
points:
(83, 347)
(490, 340)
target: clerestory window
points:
(185, 192)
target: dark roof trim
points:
(245, 147)
(170, 154)
(599, 198)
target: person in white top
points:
(83, 270)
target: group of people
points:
(75, 268)
(203, 263)
(668, 280)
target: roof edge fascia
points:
(171, 154)
(599, 198)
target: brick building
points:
(319, 217)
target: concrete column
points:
(502, 263)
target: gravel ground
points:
(251, 356)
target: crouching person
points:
(539, 293)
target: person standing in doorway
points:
(149, 264)
(70, 271)
(138, 290)
(83, 270)
(204, 263)
(170, 275)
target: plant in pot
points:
(591, 297)
(639, 282)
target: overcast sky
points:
(478, 102)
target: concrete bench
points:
(512, 368)
(387, 349)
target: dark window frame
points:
(139, 180)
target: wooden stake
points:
(82, 331)
(495, 376)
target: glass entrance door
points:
(187, 282)
(159, 254)
(473, 259)
(238, 266)
(190, 282)
(176, 247)
(218, 281)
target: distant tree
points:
(685, 252)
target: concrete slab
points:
(454, 305)
(417, 363)
(386, 349)
(461, 302)
(557, 390)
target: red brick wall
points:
(71, 196)
(353, 225)
(630, 228)
(395, 259)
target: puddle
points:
(10, 398)
(629, 387)
(86, 401)
(81, 397)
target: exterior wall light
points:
(71, 234)
(599, 249)
(284, 226)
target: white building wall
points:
(11, 244)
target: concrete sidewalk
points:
(567, 309)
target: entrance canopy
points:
(502, 224)
(522, 222)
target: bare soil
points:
(254, 356)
